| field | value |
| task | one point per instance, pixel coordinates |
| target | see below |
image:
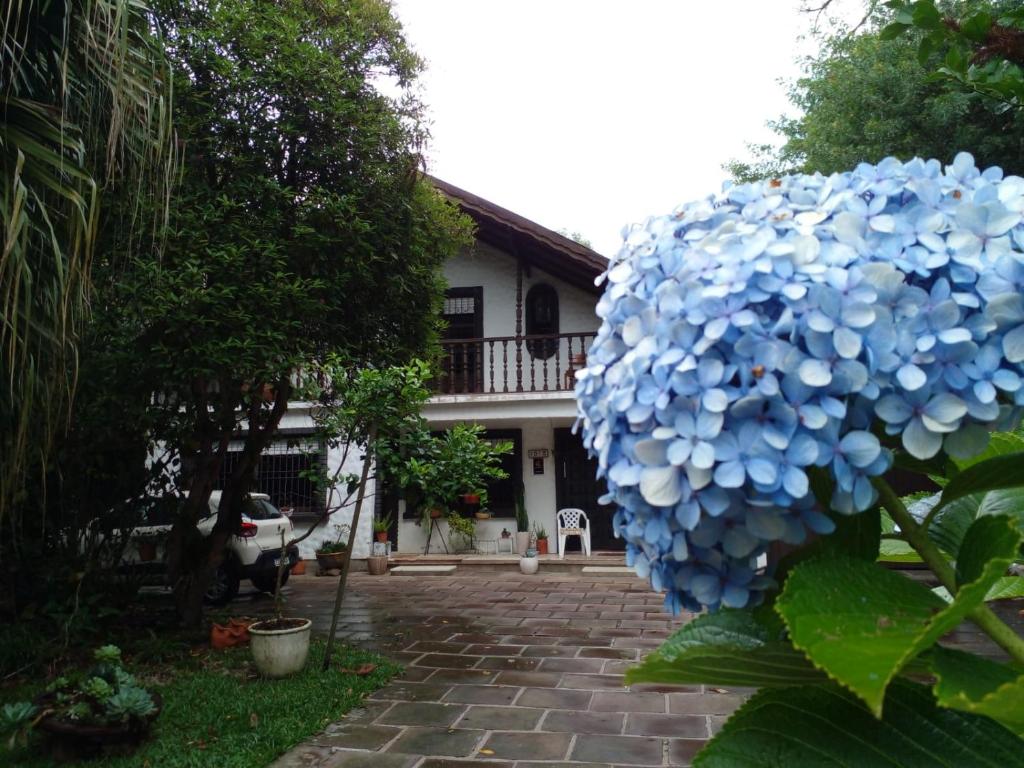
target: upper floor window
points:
(542, 319)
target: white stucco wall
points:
(495, 271)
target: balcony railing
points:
(512, 363)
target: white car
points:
(253, 553)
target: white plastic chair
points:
(569, 525)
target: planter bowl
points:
(529, 565)
(329, 560)
(71, 742)
(378, 565)
(280, 651)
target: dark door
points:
(576, 486)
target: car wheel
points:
(223, 584)
(264, 580)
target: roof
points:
(536, 245)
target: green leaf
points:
(974, 684)
(976, 27)
(999, 444)
(950, 525)
(988, 549)
(926, 15)
(862, 624)
(1006, 588)
(998, 472)
(821, 727)
(892, 31)
(729, 647)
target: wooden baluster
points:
(478, 348)
(533, 367)
(449, 368)
(519, 364)
(546, 342)
(466, 372)
(558, 367)
(504, 365)
(491, 366)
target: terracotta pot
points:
(377, 566)
(235, 632)
(329, 560)
(436, 513)
(299, 568)
(471, 498)
(542, 546)
(381, 535)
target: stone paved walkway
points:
(508, 671)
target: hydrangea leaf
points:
(996, 473)
(862, 624)
(951, 524)
(974, 684)
(999, 444)
(824, 727)
(729, 647)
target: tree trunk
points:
(343, 579)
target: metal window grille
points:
(279, 474)
(459, 305)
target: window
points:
(501, 494)
(281, 475)
(542, 320)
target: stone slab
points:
(608, 570)
(423, 570)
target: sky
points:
(588, 115)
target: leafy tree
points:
(981, 44)
(867, 96)
(302, 228)
(83, 109)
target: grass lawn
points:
(217, 711)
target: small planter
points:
(377, 566)
(71, 742)
(280, 646)
(329, 560)
(299, 568)
(435, 513)
(482, 515)
(381, 536)
(471, 498)
(522, 542)
(529, 564)
(542, 546)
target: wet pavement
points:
(512, 671)
(508, 671)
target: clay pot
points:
(280, 646)
(471, 498)
(542, 546)
(435, 513)
(381, 535)
(299, 568)
(377, 566)
(235, 632)
(330, 560)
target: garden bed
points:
(217, 711)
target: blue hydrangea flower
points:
(778, 329)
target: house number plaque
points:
(538, 453)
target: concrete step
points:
(608, 570)
(423, 570)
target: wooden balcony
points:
(512, 363)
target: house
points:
(520, 318)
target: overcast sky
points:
(587, 115)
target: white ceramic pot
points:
(280, 652)
(529, 565)
(522, 542)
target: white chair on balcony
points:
(570, 523)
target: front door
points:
(577, 486)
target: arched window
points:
(542, 320)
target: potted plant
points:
(528, 563)
(381, 526)
(542, 539)
(522, 524)
(331, 554)
(103, 709)
(463, 527)
(482, 514)
(280, 646)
